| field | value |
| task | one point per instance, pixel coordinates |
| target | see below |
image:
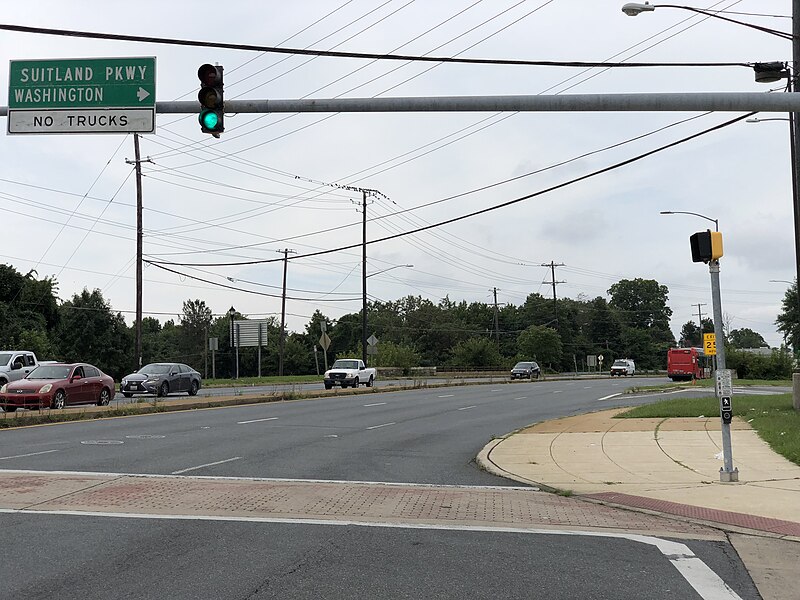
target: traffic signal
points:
(212, 114)
(706, 246)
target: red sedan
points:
(57, 386)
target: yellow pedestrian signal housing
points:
(706, 246)
(211, 100)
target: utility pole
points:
(137, 162)
(794, 128)
(285, 253)
(364, 276)
(700, 319)
(496, 321)
(553, 266)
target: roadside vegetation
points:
(773, 417)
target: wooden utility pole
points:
(553, 266)
(285, 253)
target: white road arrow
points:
(142, 94)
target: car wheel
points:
(328, 386)
(105, 397)
(10, 408)
(194, 388)
(355, 383)
(536, 375)
(59, 400)
(163, 389)
(370, 382)
(127, 394)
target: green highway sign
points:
(82, 95)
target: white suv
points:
(622, 367)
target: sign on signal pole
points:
(710, 344)
(82, 95)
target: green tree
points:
(195, 321)
(540, 343)
(788, 320)
(692, 336)
(397, 355)
(746, 338)
(476, 352)
(89, 331)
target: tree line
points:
(412, 331)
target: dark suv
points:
(525, 370)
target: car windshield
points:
(620, 363)
(4, 358)
(154, 369)
(345, 364)
(523, 365)
(50, 372)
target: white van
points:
(622, 367)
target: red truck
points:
(685, 364)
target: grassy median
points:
(773, 417)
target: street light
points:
(686, 212)
(764, 73)
(231, 314)
(389, 269)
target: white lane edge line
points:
(468, 407)
(526, 488)
(219, 462)
(446, 396)
(375, 404)
(696, 573)
(30, 454)
(256, 420)
(609, 396)
(383, 425)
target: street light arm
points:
(633, 9)
(389, 269)
(686, 212)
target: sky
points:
(272, 182)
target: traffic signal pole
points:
(728, 472)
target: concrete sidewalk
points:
(669, 466)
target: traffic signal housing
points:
(212, 103)
(706, 246)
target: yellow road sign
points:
(710, 344)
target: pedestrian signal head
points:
(706, 246)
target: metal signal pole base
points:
(729, 476)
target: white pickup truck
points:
(349, 371)
(16, 364)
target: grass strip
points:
(773, 417)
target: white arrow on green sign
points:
(82, 95)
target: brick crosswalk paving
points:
(328, 500)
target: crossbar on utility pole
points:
(553, 266)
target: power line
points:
(491, 208)
(360, 55)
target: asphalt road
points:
(420, 436)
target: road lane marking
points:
(557, 391)
(384, 425)
(521, 398)
(468, 407)
(495, 390)
(30, 454)
(609, 397)
(446, 396)
(375, 404)
(256, 420)
(219, 462)
(705, 582)
(588, 387)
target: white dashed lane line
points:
(446, 396)
(521, 398)
(557, 391)
(30, 454)
(257, 420)
(376, 404)
(219, 462)
(467, 407)
(383, 425)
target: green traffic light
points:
(209, 119)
